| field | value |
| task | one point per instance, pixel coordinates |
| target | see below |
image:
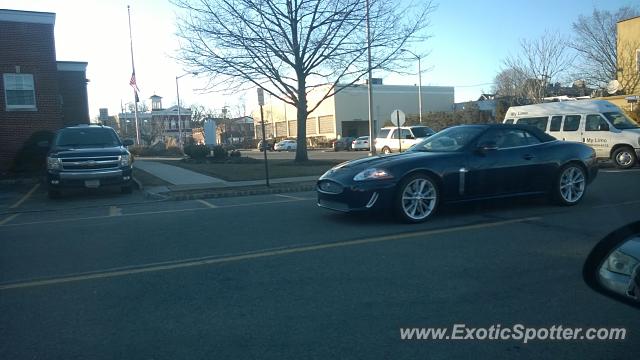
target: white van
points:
(597, 123)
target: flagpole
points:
(133, 69)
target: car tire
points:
(54, 194)
(570, 185)
(427, 198)
(386, 150)
(126, 189)
(624, 157)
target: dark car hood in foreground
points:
(64, 152)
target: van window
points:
(394, 133)
(620, 121)
(508, 121)
(405, 132)
(383, 133)
(539, 122)
(595, 123)
(571, 123)
(556, 123)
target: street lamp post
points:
(419, 83)
(179, 115)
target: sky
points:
(470, 39)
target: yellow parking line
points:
(207, 204)
(8, 218)
(187, 263)
(25, 197)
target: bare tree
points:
(595, 41)
(290, 48)
(541, 61)
(509, 83)
(199, 113)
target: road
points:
(108, 276)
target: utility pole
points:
(372, 130)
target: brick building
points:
(36, 91)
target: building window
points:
(19, 92)
(638, 60)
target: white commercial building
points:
(346, 113)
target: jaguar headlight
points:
(372, 174)
(621, 263)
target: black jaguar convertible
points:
(461, 163)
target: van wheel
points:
(624, 157)
(386, 150)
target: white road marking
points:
(207, 204)
(115, 211)
(290, 197)
(187, 263)
(152, 212)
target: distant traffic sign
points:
(398, 117)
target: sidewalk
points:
(189, 185)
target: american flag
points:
(134, 85)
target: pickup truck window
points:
(87, 137)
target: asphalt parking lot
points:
(101, 275)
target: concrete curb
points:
(239, 191)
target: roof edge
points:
(33, 17)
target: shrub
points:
(31, 157)
(139, 150)
(196, 151)
(219, 152)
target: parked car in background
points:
(268, 145)
(461, 163)
(597, 123)
(361, 143)
(88, 156)
(392, 139)
(344, 143)
(286, 145)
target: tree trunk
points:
(301, 150)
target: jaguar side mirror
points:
(127, 142)
(613, 266)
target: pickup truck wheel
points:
(54, 194)
(126, 189)
(386, 150)
(624, 157)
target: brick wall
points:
(73, 92)
(32, 47)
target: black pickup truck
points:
(88, 156)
